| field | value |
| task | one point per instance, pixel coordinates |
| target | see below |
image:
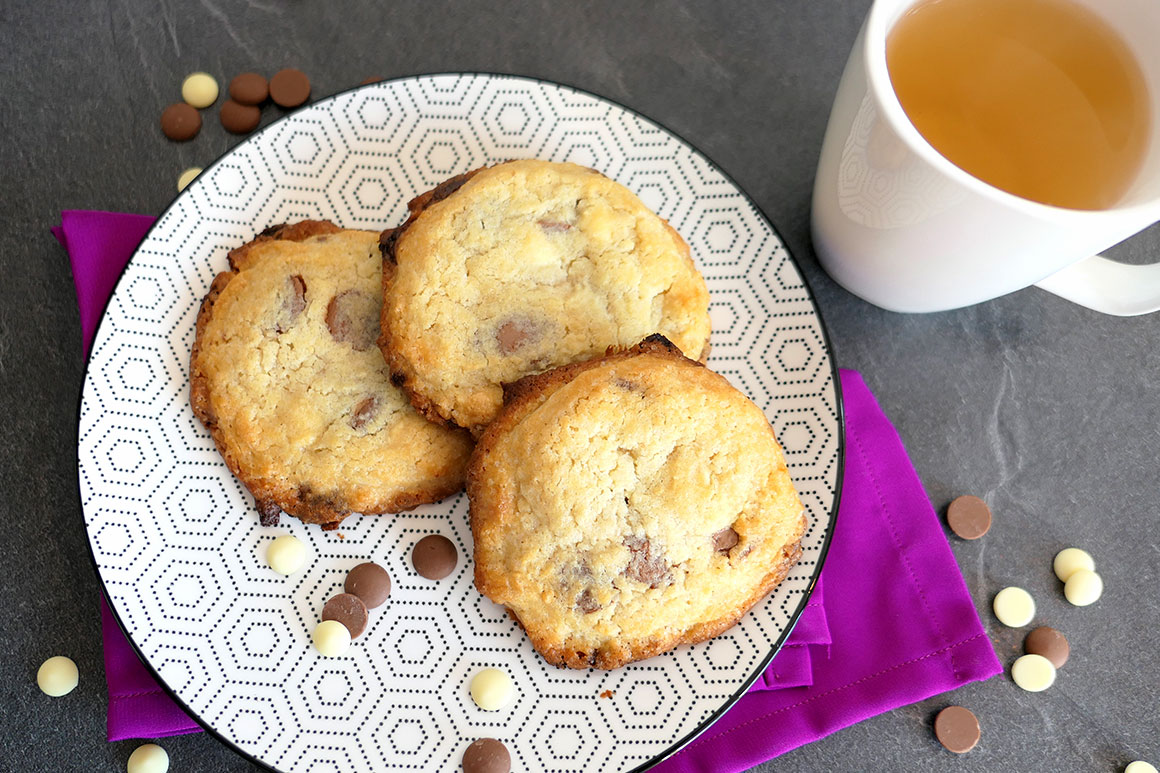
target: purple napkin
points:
(901, 619)
(895, 625)
(138, 707)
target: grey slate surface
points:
(1048, 411)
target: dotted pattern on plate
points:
(176, 538)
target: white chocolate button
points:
(199, 89)
(57, 676)
(492, 689)
(1068, 560)
(1139, 766)
(188, 176)
(1014, 607)
(148, 758)
(331, 638)
(286, 554)
(1034, 673)
(1083, 587)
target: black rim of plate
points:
(834, 378)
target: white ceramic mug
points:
(901, 226)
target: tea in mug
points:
(1040, 98)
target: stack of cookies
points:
(539, 335)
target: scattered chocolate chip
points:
(353, 319)
(364, 412)
(1049, 643)
(957, 729)
(725, 540)
(511, 336)
(349, 610)
(487, 755)
(587, 602)
(188, 176)
(969, 517)
(249, 88)
(180, 122)
(434, 557)
(199, 89)
(370, 80)
(554, 225)
(289, 88)
(292, 305)
(645, 565)
(370, 582)
(269, 513)
(239, 118)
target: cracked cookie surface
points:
(627, 504)
(286, 376)
(525, 266)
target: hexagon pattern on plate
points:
(176, 538)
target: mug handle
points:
(1120, 289)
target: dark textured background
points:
(1048, 411)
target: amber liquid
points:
(1040, 98)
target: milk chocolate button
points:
(487, 755)
(180, 122)
(370, 582)
(1049, 643)
(434, 557)
(957, 729)
(239, 118)
(289, 88)
(249, 88)
(349, 610)
(969, 517)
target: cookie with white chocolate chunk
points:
(286, 376)
(627, 504)
(524, 266)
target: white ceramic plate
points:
(176, 539)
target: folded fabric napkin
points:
(895, 624)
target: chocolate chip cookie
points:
(525, 266)
(286, 376)
(627, 504)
